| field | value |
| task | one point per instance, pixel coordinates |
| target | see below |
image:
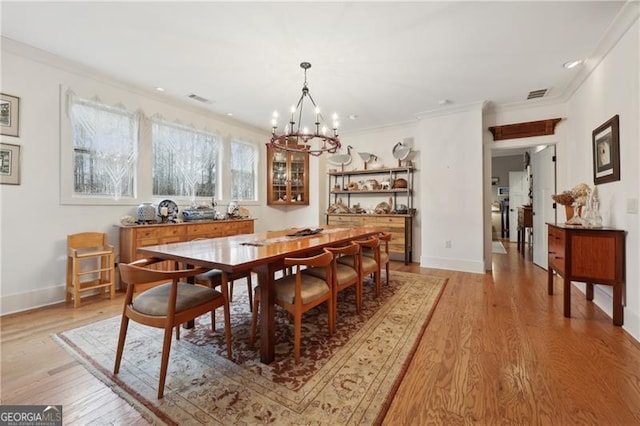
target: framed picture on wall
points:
(9, 164)
(606, 152)
(503, 190)
(9, 115)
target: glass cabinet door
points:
(287, 178)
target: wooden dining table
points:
(262, 253)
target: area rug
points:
(348, 378)
(498, 247)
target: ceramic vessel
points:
(146, 212)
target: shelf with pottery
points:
(391, 216)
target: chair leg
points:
(178, 332)
(227, 316)
(331, 313)
(76, 283)
(378, 283)
(230, 291)
(249, 289)
(254, 318)
(297, 335)
(164, 363)
(387, 270)
(124, 324)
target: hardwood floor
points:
(497, 351)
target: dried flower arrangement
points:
(565, 199)
(580, 193)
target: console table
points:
(589, 255)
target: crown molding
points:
(453, 109)
(46, 58)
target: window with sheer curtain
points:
(185, 161)
(105, 143)
(244, 166)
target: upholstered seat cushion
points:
(384, 257)
(215, 276)
(155, 300)
(345, 273)
(368, 263)
(312, 288)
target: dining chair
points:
(213, 278)
(90, 265)
(164, 302)
(343, 275)
(368, 265)
(384, 238)
(299, 292)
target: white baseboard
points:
(452, 264)
(30, 300)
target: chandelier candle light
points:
(295, 137)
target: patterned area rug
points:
(348, 378)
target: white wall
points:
(451, 185)
(34, 224)
(612, 88)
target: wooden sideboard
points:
(398, 225)
(589, 255)
(132, 237)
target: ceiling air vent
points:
(537, 93)
(199, 98)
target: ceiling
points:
(380, 62)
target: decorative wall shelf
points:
(524, 130)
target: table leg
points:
(618, 311)
(567, 298)
(589, 291)
(267, 313)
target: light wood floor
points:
(497, 351)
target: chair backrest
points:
(385, 237)
(86, 239)
(136, 273)
(352, 249)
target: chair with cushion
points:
(344, 275)
(213, 278)
(384, 238)
(164, 302)
(368, 264)
(90, 265)
(299, 292)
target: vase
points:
(146, 213)
(568, 210)
(572, 217)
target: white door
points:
(543, 170)
(517, 197)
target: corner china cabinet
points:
(287, 178)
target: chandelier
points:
(297, 137)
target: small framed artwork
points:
(503, 190)
(606, 152)
(495, 181)
(9, 164)
(9, 115)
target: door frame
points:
(517, 146)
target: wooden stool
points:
(89, 254)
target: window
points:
(185, 161)
(105, 143)
(243, 171)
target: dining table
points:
(262, 253)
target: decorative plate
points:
(172, 209)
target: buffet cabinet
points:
(589, 255)
(398, 225)
(132, 237)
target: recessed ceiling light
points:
(160, 89)
(444, 102)
(572, 64)
(230, 114)
(353, 116)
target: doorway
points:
(534, 181)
